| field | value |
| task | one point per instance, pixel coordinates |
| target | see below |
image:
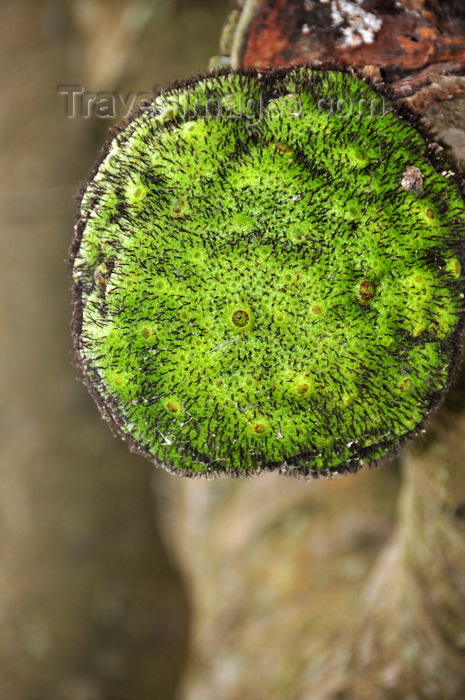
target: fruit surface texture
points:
(268, 274)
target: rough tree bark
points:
(314, 591)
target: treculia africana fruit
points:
(264, 282)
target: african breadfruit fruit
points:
(268, 274)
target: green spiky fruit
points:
(268, 273)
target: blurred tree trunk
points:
(90, 606)
(317, 591)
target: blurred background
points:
(91, 605)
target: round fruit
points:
(268, 274)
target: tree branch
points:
(403, 636)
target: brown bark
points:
(403, 39)
(312, 591)
(417, 48)
(409, 638)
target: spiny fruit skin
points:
(268, 290)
